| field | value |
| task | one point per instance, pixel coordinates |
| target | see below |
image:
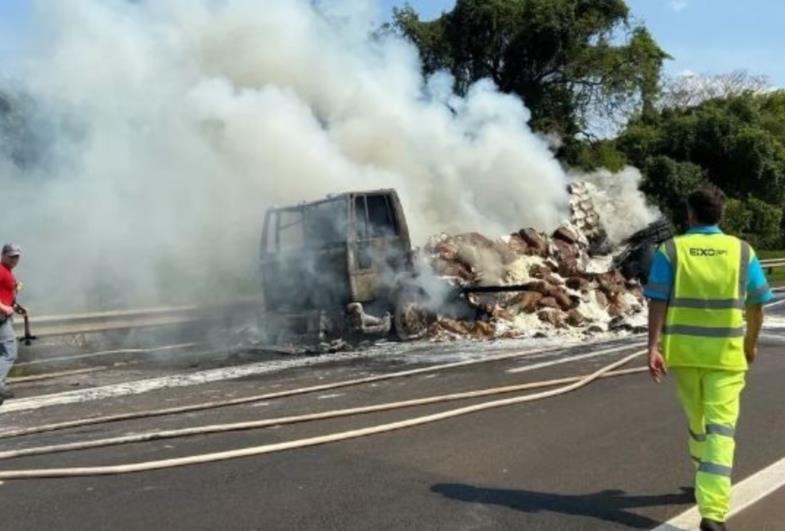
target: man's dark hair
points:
(707, 205)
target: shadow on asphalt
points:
(607, 505)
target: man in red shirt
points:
(8, 286)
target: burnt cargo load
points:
(337, 268)
(343, 268)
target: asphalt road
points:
(609, 456)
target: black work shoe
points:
(6, 393)
(712, 525)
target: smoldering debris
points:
(572, 281)
(559, 283)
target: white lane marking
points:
(331, 395)
(746, 493)
(108, 353)
(212, 375)
(573, 358)
(154, 384)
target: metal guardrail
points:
(773, 264)
(60, 325)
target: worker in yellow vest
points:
(702, 288)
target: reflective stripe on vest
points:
(705, 320)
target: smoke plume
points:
(622, 207)
(158, 133)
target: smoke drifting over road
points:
(164, 129)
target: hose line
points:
(282, 394)
(311, 441)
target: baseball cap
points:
(11, 249)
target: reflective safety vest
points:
(705, 324)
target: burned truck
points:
(340, 267)
(343, 269)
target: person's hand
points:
(657, 368)
(750, 350)
(7, 310)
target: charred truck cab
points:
(335, 268)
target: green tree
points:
(591, 156)
(564, 58)
(738, 218)
(755, 221)
(667, 184)
(736, 142)
(764, 229)
(683, 91)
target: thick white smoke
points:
(169, 127)
(622, 207)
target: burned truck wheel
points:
(410, 320)
(638, 263)
(655, 233)
(635, 261)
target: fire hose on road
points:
(281, 421)
(571, 383)
(324, 439)
(288, 393)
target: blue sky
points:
(15, 18)
(703, 36)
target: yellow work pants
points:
(710, 399)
